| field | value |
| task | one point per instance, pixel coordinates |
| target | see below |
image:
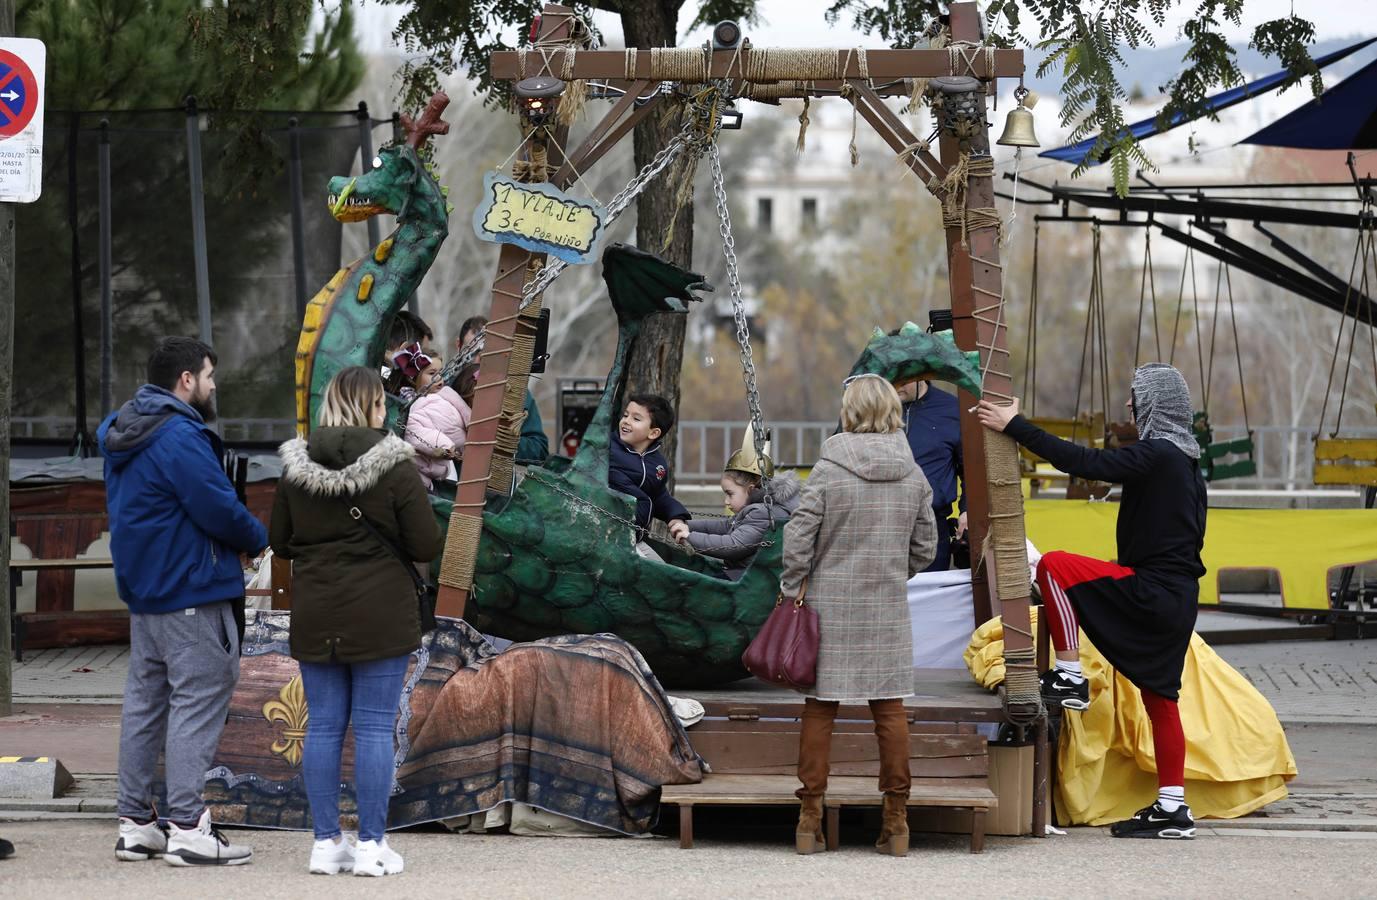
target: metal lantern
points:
(959, 102)
(1018, 127)
(538, 98)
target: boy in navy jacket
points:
(637, 466)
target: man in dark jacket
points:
(637, 467)
(932, 423)
(176, 531)
(1140, 609)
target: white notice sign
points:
(21, 119)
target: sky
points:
(801, 23)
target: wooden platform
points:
(940, 695)
(749, 738)
(972, 794)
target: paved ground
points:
(73, 859)
(1312, 681)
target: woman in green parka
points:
(354, 612)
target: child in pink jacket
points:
(438, 422)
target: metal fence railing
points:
(1285, 455)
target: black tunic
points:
(1141, 624)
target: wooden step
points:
(973, 794)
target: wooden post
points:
(465, 524)
(976, 282)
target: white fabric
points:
(687, 710)
(262, 580)
(942, 617)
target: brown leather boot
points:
(894, 829)
(891, 731)
(814, 750)
(808, 835)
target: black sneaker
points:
(1059, 690)
(6, 848)
(1155, 822)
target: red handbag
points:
(786, 649)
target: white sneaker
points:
(331, 858)
(376, 858)
(202, 846)
(140, 842)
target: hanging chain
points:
(743, 334)
(690, 137)
(636, 527)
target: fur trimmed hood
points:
(786, 486)
(339, 462)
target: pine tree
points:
(107, 59)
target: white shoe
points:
(140, 842)
(331, 858)
(202, 846)
(376, 858)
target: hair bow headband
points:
(412, 360)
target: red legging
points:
(1058, 572)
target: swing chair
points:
(1350, 461)
(1087, 427)
(1219, 460)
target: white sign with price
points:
(22, 62)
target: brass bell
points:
(1018, 127)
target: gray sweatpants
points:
(183, 666)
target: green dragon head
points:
(913, 353)
(389, 187)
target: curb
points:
(1282, 823)
(1351, 721)
(15, 805)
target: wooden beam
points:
(902, 130)
(827, 88)
(916, 166)
(896, 134)
(596, 145)
(461, 547)
(833, 64)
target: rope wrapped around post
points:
(1006, 553)
(456, 565)
(508, 437)
(955, 213)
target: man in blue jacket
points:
(176, 531)
(932, 422)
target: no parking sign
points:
(21, 119)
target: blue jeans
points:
(336, 693)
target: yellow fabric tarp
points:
(1237, 757)
(1302, 545)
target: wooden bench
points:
(972, 794)
(752, 750)
(111, 625)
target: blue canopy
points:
(1342, 118)
(1079, 151)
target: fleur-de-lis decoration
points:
(290, 710)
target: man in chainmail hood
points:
(1162, 407)
(1139, 610)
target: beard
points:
(205, 405)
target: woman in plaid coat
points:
(863, 527)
